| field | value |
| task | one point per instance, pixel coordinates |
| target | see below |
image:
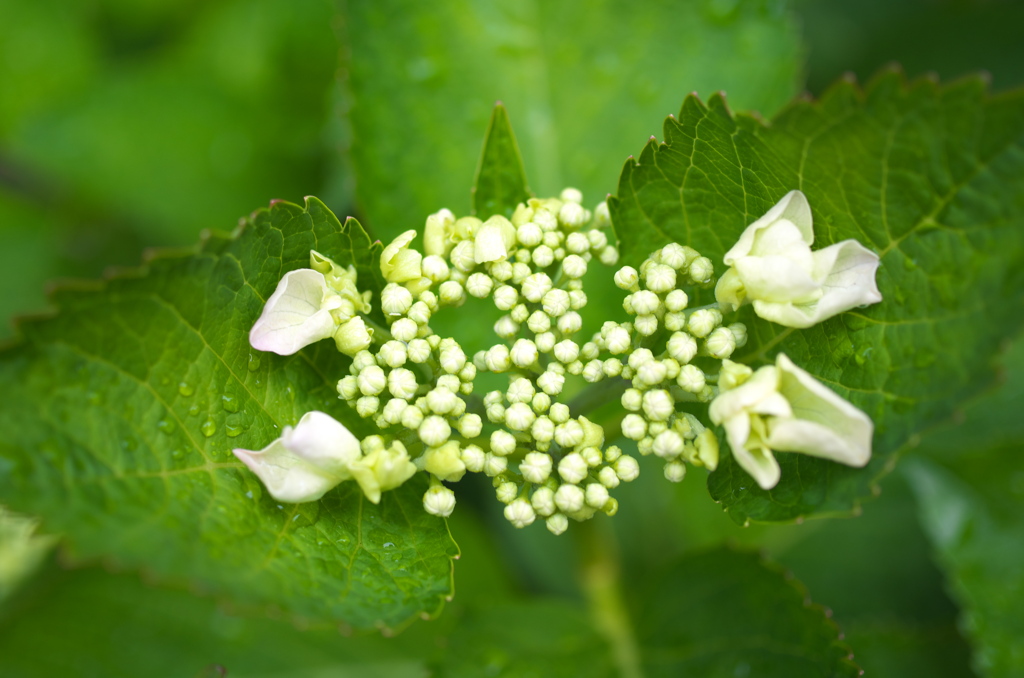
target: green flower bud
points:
(439, 501)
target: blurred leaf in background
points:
(127, 124)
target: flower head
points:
(781, 407)
(772, 265)
(306, 461)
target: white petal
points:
(793, 207)
(294, 315)
(287, 477)
(728, 405)
(758, 462)
(398, 263)
(323, 441)
(493, 240)
(850, 281)
(778, 279)
(828, 426)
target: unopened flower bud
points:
(529, 234)
(668, 444)
(634, 426)
(520, 513)
(569, 434)
(520, 313)
(702, 322)
(545, 342)
(608, 478)
(551, 382)
(556, 302)
(519, 417)
(395, 299)
(626, 468)
(701, 270)
(503, 443)
(402, 383)
(675, 471)
(348, 387)
(658, 405)
(573, 468)
(494, 465)
(543, 430)
(691, 378)
(739, 331)
(434, 431)
(473, 457)
(660, 278)
(596, 495)
(720, 343)
(435, 269)
(506, 492)
(676, 301)
(372, 380)
(682, 347)
(367, 406)
(569, 498)
(557, 524)
(439, 501)
(536, 467)
(524, 353)
(627, 278)
(441, 400)
(498, 359)
(404, 329)
(559, 413)
(543, 501)
(618, 341)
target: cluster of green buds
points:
(546, 460)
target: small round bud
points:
(569, 434)
(524, 353)
(658, 405)
(596, 495)
(372, 380)
(348, 387)
(506, 327)
(682, 347)
(536, 467)
(577, 299)
(520, 391)
(555, 302)
(626, 278)
(418, 351)
(559, 413)
(495, 413)
(645, 325)
(393, 410)
(651, 373)
(520, 513)
(503, 443)
(557, 524)
(361, 361)
(543, 501)
(660, 278)
(520, 313)
(404, 329)
(536, 286)
(478, 285)
(470, 425)
(675, 471)
(720, 343)
(402, 383)
(609, 255)
(439, 501)
(702, 322)
(676, 301)
(701, 270)
(632, 399)
(612, 367)
(573, 468)
(608, 478)
(506, 297)
(529, 234)
(566, 351)
(645, 302)
(538, 322)
(452, 359)
(545, 341)
(570, 323)
(543, 256)
(634, 426)
(543, 430)
(541, 402)
(494, 465)
(571, 195)
(739, 331)
(569, 498)
(574, 368)
(473, 457)
(506, 492)
(393, 353)
(551, 382)
(626, 468)
(462, 256)
(675, 321)
(367, 406)
(435, 268)
(574, 266)
(452, 294)
(553, 240)
(673, 255)
(441, 400)
(573, 215)
(434, 431)
(691, 378)
(519, 417)
(498, 359)
(668, 444)
(639, 357)
(593, 371)
(467, 374)
(500, 270)
(412, 417)
(395, 299)
(577, 243)
(618, 340)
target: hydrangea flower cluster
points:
(545, 460)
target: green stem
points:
(600, 576)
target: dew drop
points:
(234, 430)
(861, 357)
(186, 389)
(388, 544)
(229, 402)
(165, 426)
(208, 428)
(177, 454)
(254, 362)
(194, 410)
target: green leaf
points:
(726, 613)
(974, 521)
(121, 413)
(580, 83)
(500, 178)
(932, 178)
(116, 626)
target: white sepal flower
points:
(297, 314)
(773, 266)
(782, 407)
(437, 233)
(306, 461)
(382, 469)
(493, 241)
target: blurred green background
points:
(127, 124)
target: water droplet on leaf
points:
(254, 362)
(186, 389)
(229, 402)
(208, 428)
